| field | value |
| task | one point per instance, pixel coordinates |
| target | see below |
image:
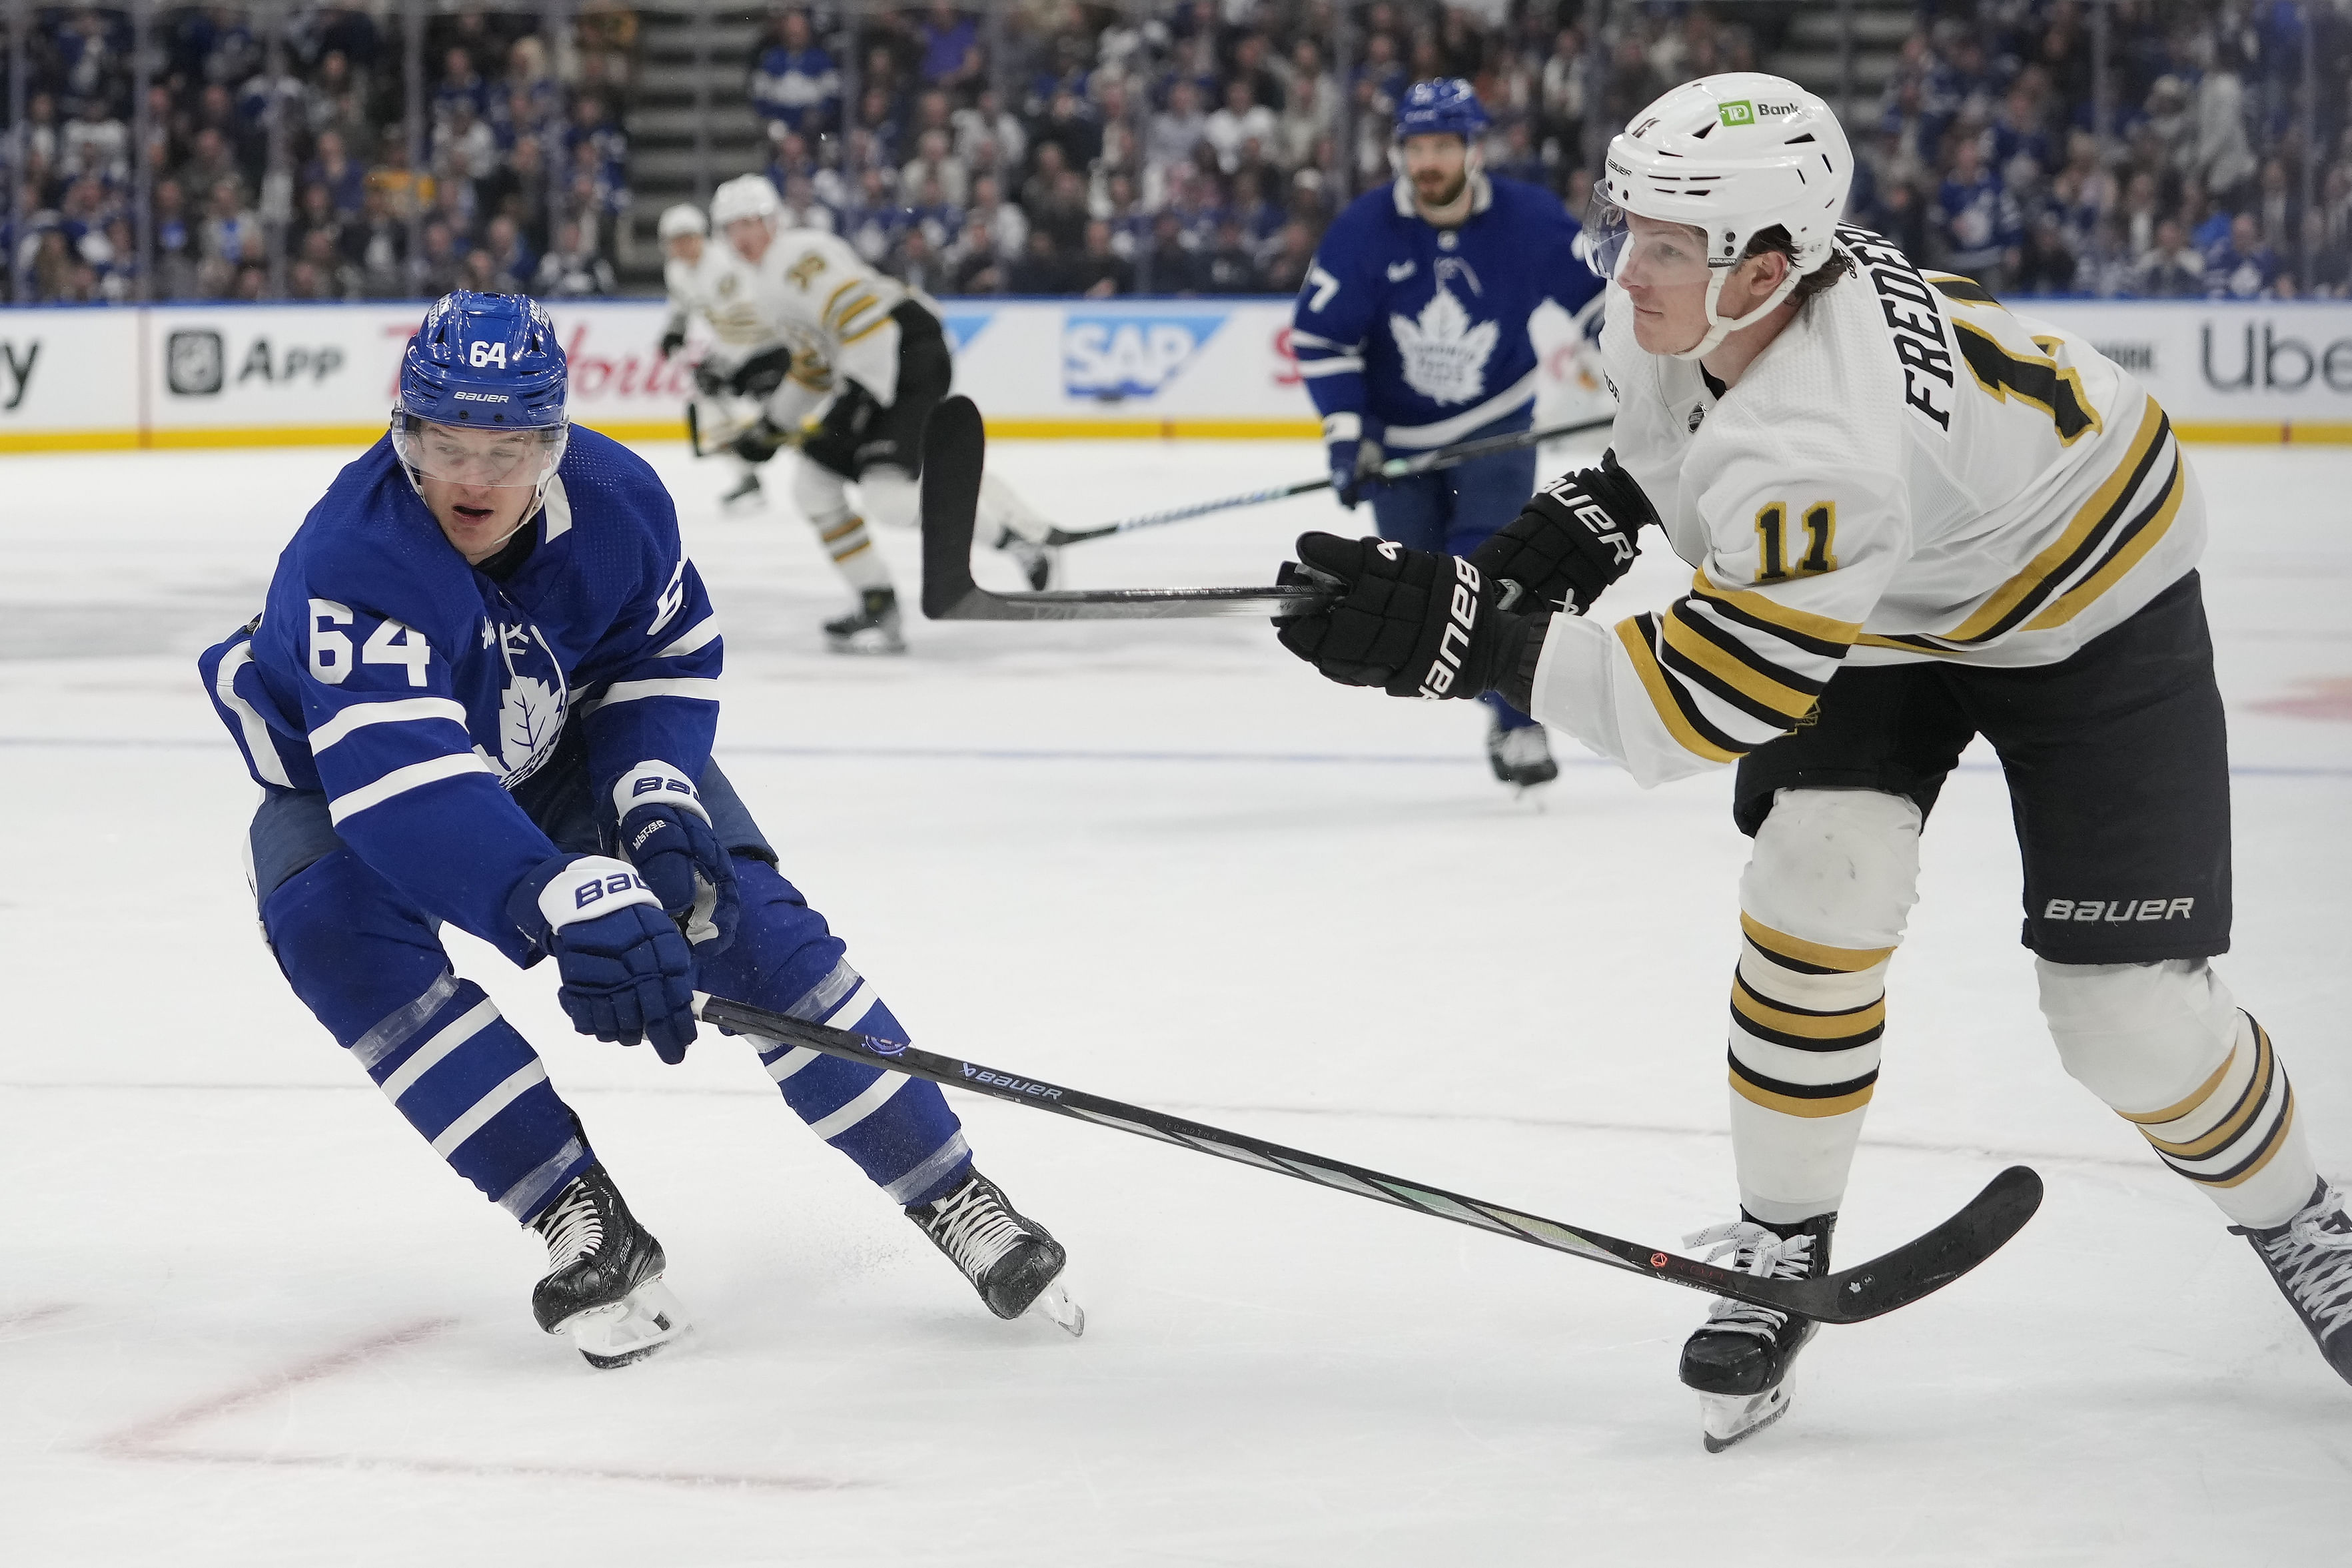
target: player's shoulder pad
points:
(370, 543)
(611, 491)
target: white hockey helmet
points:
(1730, 155)
(685, 218)
(744, 196)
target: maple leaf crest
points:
(1445, 354)
(529, 719)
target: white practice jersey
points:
(718, 289)
(1908, 472)
(818, 295)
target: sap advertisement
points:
(229, 375)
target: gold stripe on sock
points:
(1792, 1105)
(1780, 944)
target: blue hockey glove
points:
(666, 832)
(1355, 455)
(628, 972)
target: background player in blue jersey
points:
(482, 691)
(1411, 333)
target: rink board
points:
(283, 375)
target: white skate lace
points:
(1754, 1251)
(974, 1230)
(2312, 1259)
(573, 1228)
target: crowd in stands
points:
(1199, 147)
(522, 186)
(1203, 150)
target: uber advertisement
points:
(235, 375)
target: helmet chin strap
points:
(1718, 329)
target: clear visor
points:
(481, 458)
(1657, 254)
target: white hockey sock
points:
(2168, 1047)
(1001, 509)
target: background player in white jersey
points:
(1411, 333)
(707, 281)
(860, 364)
(1915, 519)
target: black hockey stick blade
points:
(1880, 1285)
(955, 448)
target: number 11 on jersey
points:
(1771, 533)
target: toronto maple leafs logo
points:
(532, 710)
(1445, 352)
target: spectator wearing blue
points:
(1977, 219)
(1411, 334)
(951, 47)
(797, 83)
(2243, 267)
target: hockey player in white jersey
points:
(1916, 518)
(861, 364)
(707, 281)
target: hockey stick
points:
(1394, 468)
(955, 448)
(1893, 1279)
(723, 438)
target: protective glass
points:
(485, 458)
(1661, 255)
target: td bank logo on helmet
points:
(1747, 112)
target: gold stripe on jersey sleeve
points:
(824, 315)
(1746, 605)
(853, 308)
(865, 331)
(2142, 537)
(1819, 955)
(1691, 732)
(2096, 515)
(1744, 672)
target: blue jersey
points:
(417, 692)
(1422, 332)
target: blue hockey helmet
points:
(1448, 107)
(482, 392)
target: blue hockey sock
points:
(899, 1130)
(366, 962)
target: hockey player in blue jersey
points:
(1411, 333)
(482, 691)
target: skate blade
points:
(645, 1321)
(1053, 1302)
(1727, 1418)
(861, 646)
(742, 500)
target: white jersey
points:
(818, 295)
(718, 289)
(1908, 472)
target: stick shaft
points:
(1957, 1245)
(1394, 468)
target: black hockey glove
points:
(628, 972)
(761, 373)
(708, 379)
(672, 341)
(1574, 537)
(666, 832)
(1412, 623)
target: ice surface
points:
(246, 1317)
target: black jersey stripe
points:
(1788, 691)
(1718, 602)
(1692, 673)
(1671, 698)
(1967, 290)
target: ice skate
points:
(871, 628)
(604, 1282)
(1010, 1260)
(2311, 1257)
(746, 494)
(1739, 1359)
(1039, 563)
(1521, 757)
